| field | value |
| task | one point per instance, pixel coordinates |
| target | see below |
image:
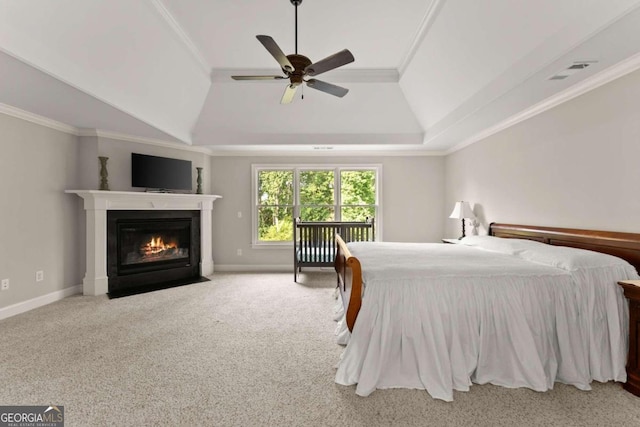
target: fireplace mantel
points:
(96, 205)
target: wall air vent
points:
(572, 69)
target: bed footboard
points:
(349, 275)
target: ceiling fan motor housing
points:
(299, 62)
(297, 67)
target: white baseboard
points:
(253, 267)
(265, 268)
(23, 307)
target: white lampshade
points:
(462, 210)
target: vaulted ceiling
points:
(429, 75)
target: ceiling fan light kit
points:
(296, 67)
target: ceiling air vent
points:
(579, 66)
(571, 69)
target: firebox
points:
(148, 250)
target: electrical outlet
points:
(239, 214)
(239, 252)
(5, 284)
(39, 276)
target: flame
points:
(156, 246)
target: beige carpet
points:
(241, 350)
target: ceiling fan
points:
(297, 67)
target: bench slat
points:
(315, 243)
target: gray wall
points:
(38, 221)
(43, 228)
(119, 163)
(573, 166)
(412, 194)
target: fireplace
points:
(96, 205)
(149, 250)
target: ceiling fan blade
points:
(276, 52)
(327, 87)
(329, 63)
(289, 93)
(257, 77)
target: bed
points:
(517, 308)
(314, 242)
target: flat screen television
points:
(160, 173)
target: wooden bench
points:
(314, 243)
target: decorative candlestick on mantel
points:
(104, 174)
(199, 181)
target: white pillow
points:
(571, 259)
(564, 257)
(500, 244)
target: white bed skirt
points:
(443, 334)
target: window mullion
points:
(296, 193)
(336, 195)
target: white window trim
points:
(256, 168)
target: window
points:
(275, 205)
(313, 193)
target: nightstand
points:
(632, 292)
(452, 241)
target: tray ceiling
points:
(428, 76)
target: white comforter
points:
(439, 317)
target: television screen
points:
(160, 173)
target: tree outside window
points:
(317, 195)
(357, 194)
(275, 205)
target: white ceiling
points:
(429, 75)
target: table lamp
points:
(461, 211)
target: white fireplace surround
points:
(96, 205)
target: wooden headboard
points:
(622, 245)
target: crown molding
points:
(424, 27)
(72, 130)
(37, 119)
(351, 75)
(182, 36)
(321, 151)
(221, 151)
(614, 72)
